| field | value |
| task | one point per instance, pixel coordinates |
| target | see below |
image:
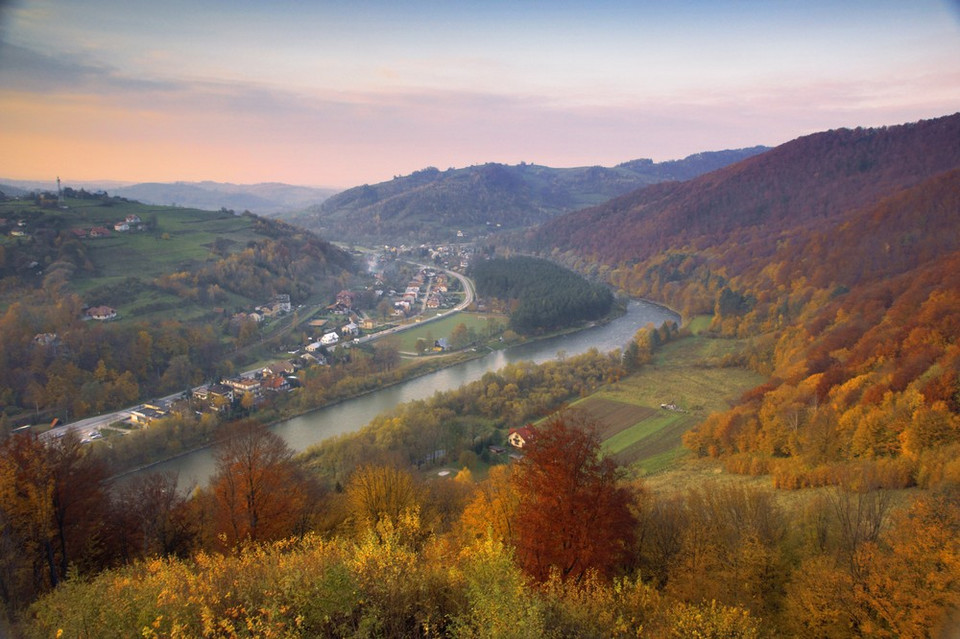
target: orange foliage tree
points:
(258, 493)
(573, 515)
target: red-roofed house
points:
(520, 437)
(276, 384)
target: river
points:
(351, 415)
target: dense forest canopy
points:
(805, 185)
(541, 294)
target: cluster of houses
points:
(451, 256)
(280, 305)
(129, 223)
(279, 377)
(427, 282)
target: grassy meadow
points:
(647, 438)
(176, 239)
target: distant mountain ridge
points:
(434, 205)
(267, 198)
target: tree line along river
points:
(351, 415)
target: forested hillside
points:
(803, 184)
(432, 205)
(839, 253)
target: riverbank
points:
(452, 359)
(305, 428)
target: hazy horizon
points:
(333, 96)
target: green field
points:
(175, 240)
(178, 238)
(441, 328)
(684, 373)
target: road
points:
(86, 428)
(468, 298)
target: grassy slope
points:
(180, 237)
(684, 373)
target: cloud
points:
(120, 125)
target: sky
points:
(341, 93)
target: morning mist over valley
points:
(505, 320)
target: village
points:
(347, 321)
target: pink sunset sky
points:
(343, 93)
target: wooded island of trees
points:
(541, 296)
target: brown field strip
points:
(613, 416)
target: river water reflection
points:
(351, 415)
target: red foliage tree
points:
(258, 493)
(573, 515)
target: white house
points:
(330, 339)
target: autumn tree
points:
(257, 490)
(151, 516)
(52, 507)
(380, 493)
(492, 508)
(573, 515)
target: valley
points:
(797, 431)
